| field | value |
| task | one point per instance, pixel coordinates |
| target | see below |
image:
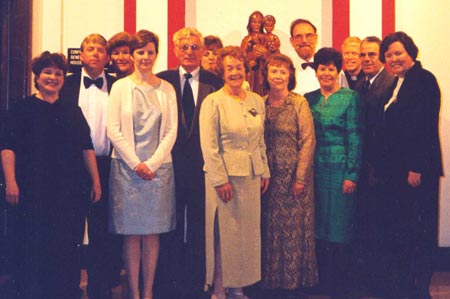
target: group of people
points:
(213, 187)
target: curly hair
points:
(47, 59)
(234, 52)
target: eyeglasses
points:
(308, 36)
(193, 47)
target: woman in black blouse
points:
(49, 162)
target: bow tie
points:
(306, 64)
(97, 82)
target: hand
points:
(264, 185)
(96, 193)
(414, 179)
(348, 187)
(225, 192)
(144, 172)
(259, 50)
(12, 194)
(298, 189)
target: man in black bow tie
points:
(89, 89)
(304, 41)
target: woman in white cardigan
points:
(142, 126)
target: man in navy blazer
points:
(89, 89)
(182, 255)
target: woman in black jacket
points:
(411, 169)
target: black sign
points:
(73, 56)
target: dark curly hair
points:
(404, 39)
(327, 56)
(277, 60)
(47, 59)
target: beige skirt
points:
(239, 232)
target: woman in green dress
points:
(337, 119)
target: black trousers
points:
(48, 238)
(103, 260)
(181, 266)
(411, 238)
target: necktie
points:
(97, 82)
(306, 64)
(188, 100)
(366, 86)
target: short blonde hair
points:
(351, 39)
(94, 38)
(186, 33)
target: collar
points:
(85, 74)
(376, 75)
(299, 61)
(195, 73)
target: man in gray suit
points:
(182, 255)
(375, 91)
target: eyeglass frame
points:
(307, 36)
(193, 47)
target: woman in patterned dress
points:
(142, 126)
(337, 120)
(288, 245)
(232, 141)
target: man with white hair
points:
(183, 258)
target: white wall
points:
(427, 22)
(59, 24)
(229, 19)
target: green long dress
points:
(338, 127)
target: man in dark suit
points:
(90, 89)
(182, 255)
(374, 90)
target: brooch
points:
(253, 111)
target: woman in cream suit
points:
(232, 141)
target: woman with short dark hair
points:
(338, 125)
(49, 166)
(119, 51)
(411, 169)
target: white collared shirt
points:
(306, 78)
(194, 81)
(93, 102)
